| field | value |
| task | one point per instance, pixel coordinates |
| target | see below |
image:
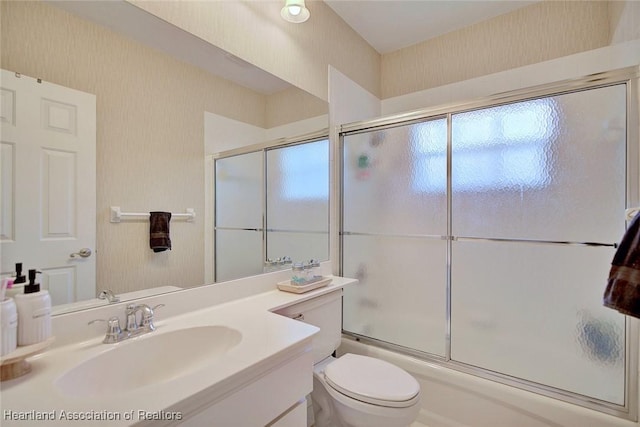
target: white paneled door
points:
(48, 184)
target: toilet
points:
(352, 390)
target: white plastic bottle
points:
(8, 326)
(34, 313)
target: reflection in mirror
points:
(272, 207)
(239, 187)
(297, 211)
(161, 93)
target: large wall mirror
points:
(166, 104)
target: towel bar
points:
(117, 215)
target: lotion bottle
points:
(8, 326)
(34, 313)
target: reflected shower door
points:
(298, 201)
(238, 216)
(394, 221)
(531, 182)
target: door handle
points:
(83, 253)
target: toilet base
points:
(333, 409)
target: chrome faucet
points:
(108, 295)
(146, 320)
(133, 328)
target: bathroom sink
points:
(149, 359)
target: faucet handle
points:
(114, 331)
(147, 316)
(130, 315)
(109, 296)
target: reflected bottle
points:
(8, 326)
(315, 269)
(298, 274)
(34, 313)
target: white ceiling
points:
(389, 25)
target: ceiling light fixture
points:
(294, 11)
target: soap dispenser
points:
(18, 282)
(34, 313)
(19, 279)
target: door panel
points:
(48, 135)
(546, 169)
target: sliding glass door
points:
(393, 238)
(298, 201)
(271, 204)
(239, 198)
(483, 239)
(531, 182)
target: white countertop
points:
(268, 340)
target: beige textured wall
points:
(624, 21)
(292, 105)
(255, 32)
(536, 33)
(150, 134)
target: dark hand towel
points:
(159, 231)
(623, 287)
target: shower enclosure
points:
(482, 237)
(271, 202)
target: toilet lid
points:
(372, 380)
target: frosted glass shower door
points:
(394, 221)
(298, 201)
(531, 183)
(238, 216)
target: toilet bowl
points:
(352, 390)
(360, 391)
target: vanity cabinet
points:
(259, 381)
(274, 397)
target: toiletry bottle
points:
(308, 276)
(298, 274)
(19, 280)
(34, 313)
(8, 326)
(315, 269)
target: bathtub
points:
(455, 399)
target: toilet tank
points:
(325, 312)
